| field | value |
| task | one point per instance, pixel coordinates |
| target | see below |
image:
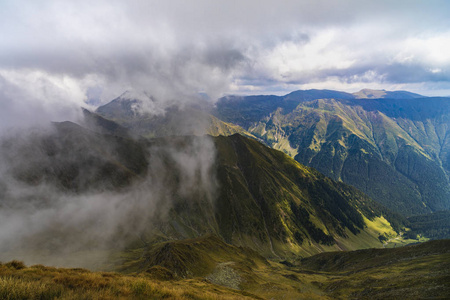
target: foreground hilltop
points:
(211, 269)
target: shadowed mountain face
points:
(175, 188)
(395, 150)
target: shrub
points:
(16, 264)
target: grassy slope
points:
(395, 150)
(418, 271)
(40, 282)
(295, 203)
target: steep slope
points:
(246, 110)
(395, 150)
(266, 201)
(434, 226)
(100, 124)
(267, 195)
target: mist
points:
(72, 197)
(66, 190)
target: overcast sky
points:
(61, 54)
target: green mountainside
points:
(284, 203)
(395, 150)
(251, 196)
(411, 271)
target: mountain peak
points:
(134, 95)
(370, 94)
(378, 94)
(132, 104)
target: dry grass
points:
(413, 272)
(39, 282)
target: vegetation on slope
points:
(419, 271)
(433, 226)
(39, 282)
(394, 149)
(266, 194)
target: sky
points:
(57, 55)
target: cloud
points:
(56, 210)
(173, 49)
(34, 98)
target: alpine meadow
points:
(224, 149)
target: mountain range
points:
(395, 149)
(393, 146)
(248, 194)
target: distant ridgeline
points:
(252, 195)
(394, 146)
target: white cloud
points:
(429, 50)
(34, 97)
(290, 61)
(174, 49)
